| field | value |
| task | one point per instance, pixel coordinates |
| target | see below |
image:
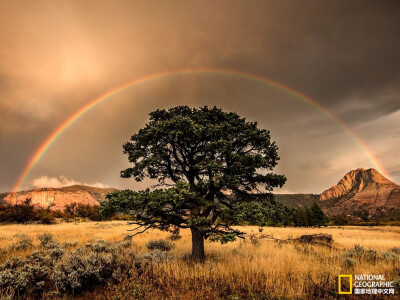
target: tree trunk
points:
(197, 245)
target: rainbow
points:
(109, 94)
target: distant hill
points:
(360, 193)
(58, 198)
(297, 200)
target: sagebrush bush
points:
(362, 254)
(23, 242)
(186, 257)
(47, 241)
(348, 262)
(53, 268)
(175, 237)
(161, 245)
(156, 256)
(395, 250)
(390, 256)
(87, 266)
(29, 275)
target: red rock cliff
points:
(58, 198)
(363, 191)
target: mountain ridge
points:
(359, 193)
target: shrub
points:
(362, 253)
(92, 264)
(348, 262)
(370, 255)
(390, 256)
(161, 245)
(53, 268)
(83, 211)
(156, 256)
(395, 250)
(175, 237)
(27, 212)
(121, 217)
(19, 213)
(83, 268)
(44, 216)
(23, 242)
(47, 240)
(339, 220)
(29, 275)
(187, 257)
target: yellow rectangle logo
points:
(340, 284)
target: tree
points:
(310, 216)
(81, 210)
(339, 220)
(23, 212)
(318, 215)
(301, 218)
(218, 168)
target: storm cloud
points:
(58, 55)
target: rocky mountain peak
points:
(363, 192)
(356, 181)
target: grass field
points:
(242, 269)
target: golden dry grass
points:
(278, 269)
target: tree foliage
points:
(310, 216)
(28, 212)
(318, 216)
(218, 168)
(81, 210)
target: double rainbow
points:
(91, 104)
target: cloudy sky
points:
(56, 56)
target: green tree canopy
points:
(319, 217)
(301, 218)
(218, 168)
(310, 216)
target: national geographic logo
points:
(365, 285)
